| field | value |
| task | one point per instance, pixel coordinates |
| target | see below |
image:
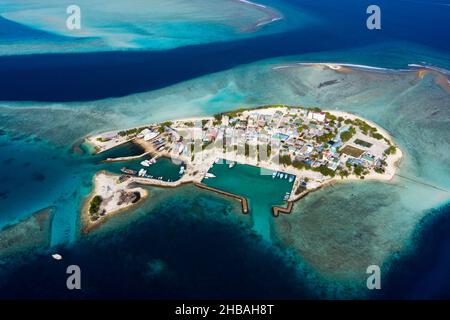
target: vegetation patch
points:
(352, 151)
(94, 207)
(363, 143)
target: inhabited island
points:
(308, 147)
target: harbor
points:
(162, 169)
(262, 189)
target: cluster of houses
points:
(306, 138)
(309, 137)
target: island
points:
(310, 147)
(111, 195)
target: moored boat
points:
(146, 163)
(128, 171)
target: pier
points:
(241, 199)
(277, 209)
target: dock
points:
(241, 199)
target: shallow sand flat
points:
(149, 24)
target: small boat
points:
(217, 161)
(56, 256)
(291, 178)
(286, 196)
(209, 175)
(286, 176)
(281, 176)
(128, 171)
(274, 175)
(181, 170)
(232, 164)
(142, 172)
(146, 163)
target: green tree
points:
(390, 150)
(286, 160)
(358, 170)
(95, 204)
(298, 164)
(347, 135)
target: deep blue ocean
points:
(194, 245)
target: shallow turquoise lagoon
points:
(257, 185)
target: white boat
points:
(286, 176)
(142, 173)
(181, 170)
(146, 163)
(56, 256)
(274, 175)
(291, 178)
(232, 164)
(286, 196)
(281, 176)
(209, 175)
(217, 161)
